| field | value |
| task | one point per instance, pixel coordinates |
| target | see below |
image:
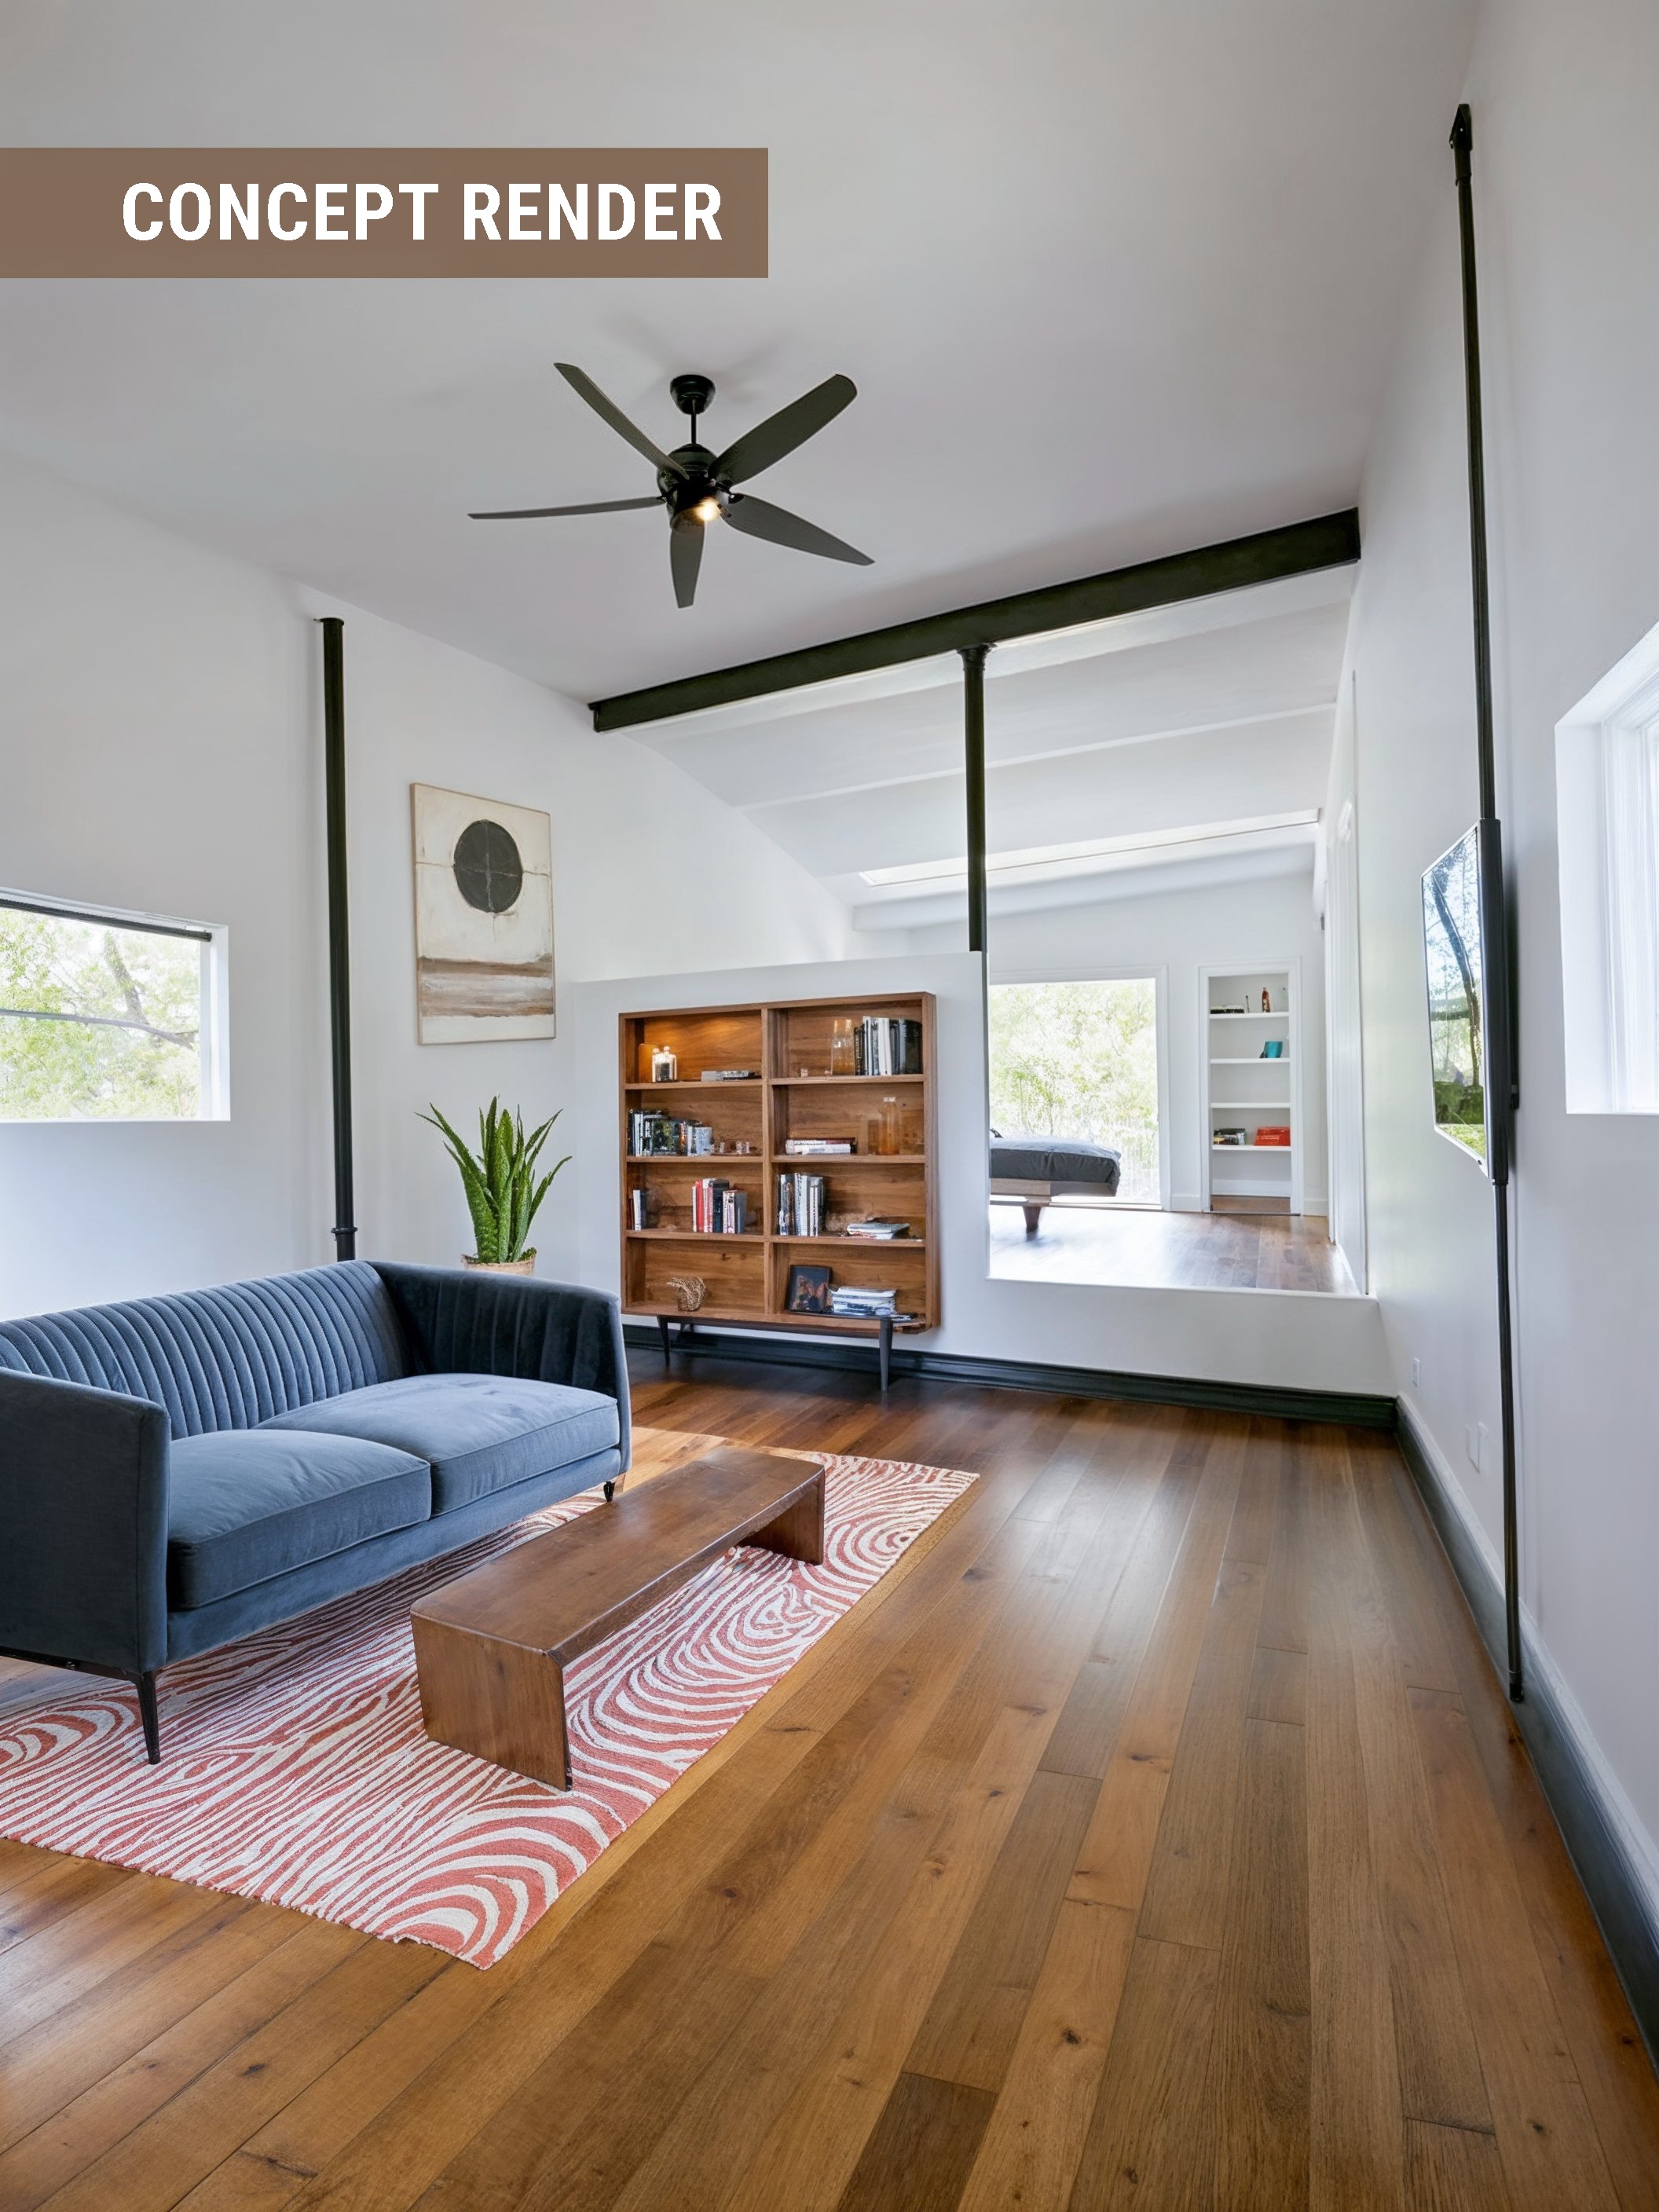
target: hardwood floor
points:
(1154, 1835)
(1169, 1251)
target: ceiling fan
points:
(696, 487)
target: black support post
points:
(339, 942)
(973, 762)
(1501, 1088)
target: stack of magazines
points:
(883, 1230)
(863, 1305)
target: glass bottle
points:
(843, 1058)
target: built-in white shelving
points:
(1236, 1029)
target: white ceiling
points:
(1114, 276)
(1214, 718)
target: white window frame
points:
(1607, 771)
(213, 1048)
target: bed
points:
(1035, 1169)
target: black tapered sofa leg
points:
(150, 1716)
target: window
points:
(1607, 763)
(107, 1017)
(1079, 1060)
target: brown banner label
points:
(383, 212)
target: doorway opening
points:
(1076, 1089)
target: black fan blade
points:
(758, 518)
(685, 556)
(592, 507)
(781, 433)
(580, 382)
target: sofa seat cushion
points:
(478, 1432)
(248, 1504)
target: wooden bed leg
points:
(1033, 1211)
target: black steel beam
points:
(1329, 541)
(340, 944)
(973, 731)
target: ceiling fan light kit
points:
(697, 486)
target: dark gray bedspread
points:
(1054, 1159)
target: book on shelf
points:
(800, 1205)
(879, 1230)
(717, 1208)
(812, 1148)
(887, 1044)
(1229, 1137)
(650, 1133)
(728, 1075)
(1273, 1132)
(638, 1208)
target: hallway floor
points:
(1149, 1250)
(1154, 1834)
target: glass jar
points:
(843, 1055)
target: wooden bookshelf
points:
(794, 1094)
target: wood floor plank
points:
(1454, 2170)
(1285, 1602)
(1440, 2073)
(1548, 2143)
(1086, 1736)
(149, 2168)
(1117, 1853)
(1279, 1685)
(1261, 2080)
(1035, 2136)
(59, 2154)
(973, 2023)
(919, 2154)
(1150, 2140)
(72, 2050)
(1355, 2141)
(1417, 1609)
(1187, 1886)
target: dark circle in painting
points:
(487, 870)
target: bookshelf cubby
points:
(791, 1093)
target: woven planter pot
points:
(524, 1267)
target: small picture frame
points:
(808, 1290)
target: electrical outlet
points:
(1417, 1374)
(1472, 1435)
(1483, 1445)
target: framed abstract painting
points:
(483, 919)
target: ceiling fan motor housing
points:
(691, 393)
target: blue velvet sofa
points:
(178, 1472)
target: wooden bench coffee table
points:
(491, 1647)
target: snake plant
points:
(502, 1194)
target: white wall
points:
(156, 754)
(1285, 1337)
(1257, 921)
(1566, 168)
(161, 746)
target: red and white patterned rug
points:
(296, 1770)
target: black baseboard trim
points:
(1351, 1409)
(1611, 1883)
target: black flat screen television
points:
(1464, 956)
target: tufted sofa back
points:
(228, 1357)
